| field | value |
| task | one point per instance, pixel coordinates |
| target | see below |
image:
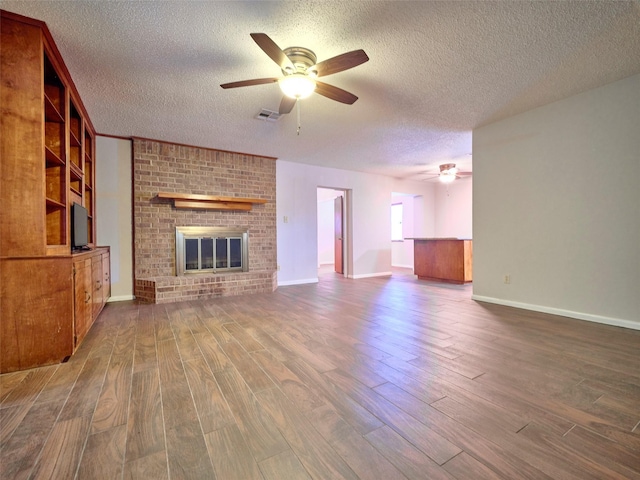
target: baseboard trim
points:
(403, 266)
(298, 282)
(370, 275)
(616, 322)
(121, 298)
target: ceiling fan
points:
(449, 172)
(300, 72)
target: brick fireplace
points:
(164, 167)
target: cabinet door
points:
(96, 273)
(82, 299)
(36, 308)
(106, 275)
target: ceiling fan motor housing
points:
(302, 58)
(448, 169)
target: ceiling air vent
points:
(268, 115)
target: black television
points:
(79, 227)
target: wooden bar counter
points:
(443, 259)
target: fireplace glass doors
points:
(211, 250)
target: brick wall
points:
(165, 167)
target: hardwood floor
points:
(381, 378)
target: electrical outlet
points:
(285, 219)
(278, 268)
(507, 279)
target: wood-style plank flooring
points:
(381, 378)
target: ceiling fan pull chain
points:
(298, 111)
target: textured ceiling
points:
(436, 71)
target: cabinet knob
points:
(87, 297)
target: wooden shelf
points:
(50, 202)
(210, 202)
(75, 171)
(52, 158)
(51, 111)
(74, 139)
(75, 125)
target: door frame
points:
(338, 234)
(347, 228)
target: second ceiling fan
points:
(300, 72)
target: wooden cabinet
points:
(443, 259)
(91, 289)
(48, 306)
(96, 283)
(48, 163)
(82, 299)
(36, 312)
(106, 275)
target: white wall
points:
(113, 208)
(453, 209)
(402, 251)
(326, 245)
(556, 204)
(424, 213)
(368, 217)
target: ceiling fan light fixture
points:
(297, 85)
(448, 172)
(447, 177)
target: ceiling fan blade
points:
(335, 93)
(287, 104)
(274, 51)
(341, 62)
(248, 83)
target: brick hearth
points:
(165, 167)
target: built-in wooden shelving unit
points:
(48, 163)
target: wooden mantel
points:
(210, 202)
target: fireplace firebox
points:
(211, 250)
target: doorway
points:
(333, 233)
(338, 234)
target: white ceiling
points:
(436, 71)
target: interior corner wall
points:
(113, 208)
(555, 207)
(296, 199)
